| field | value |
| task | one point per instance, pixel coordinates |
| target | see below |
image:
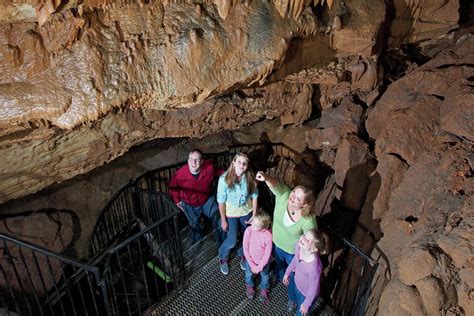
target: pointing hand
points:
(261, 176)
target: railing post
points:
(100, 281)
(136, 200)
(364, 296)
(180, 251)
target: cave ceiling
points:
(81, 82)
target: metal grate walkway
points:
(209, 292)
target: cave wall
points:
(380, 93)
(422, 127)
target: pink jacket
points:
(257, 246)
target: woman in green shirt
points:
(293, 216)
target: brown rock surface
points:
(52, 229)
(83, 63)
(361, 23)
(417, 20)
(432, 295)
(426, 222)
(81, 84)
(399, 299)
(391, 171)
(45, 156)
(72, 72)
(334, 124)
(351, 152)
(465, 289)
(352, 170)
(407, 118)
(416, 264)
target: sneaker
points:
(264, 296)
(224, 267)
(250, 292)
(242, 263)
(291, 306)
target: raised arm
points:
(268, 179)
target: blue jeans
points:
(234, 225)
(264, 275)
(282, 260)
(193, 214)
(296, 296)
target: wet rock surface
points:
(378, 99)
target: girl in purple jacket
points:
(304, 272)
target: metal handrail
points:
(140, 233)
(347, 242)
(47, 252)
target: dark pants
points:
(282, 260)
(210, 210)
(264, 276)
(294, 295)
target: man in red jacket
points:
(191, 189)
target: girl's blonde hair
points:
(321, 241)
(231, 177)
(308, 210)
(264, 219)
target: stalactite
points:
(281, 6)
(296, 7)
(337, 23)
(198, 9)
(223, 7)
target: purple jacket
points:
(307, 276)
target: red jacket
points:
(193, 190)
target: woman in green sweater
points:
(293, 216)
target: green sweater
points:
(285, 237)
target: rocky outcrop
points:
(425, 207)
(46, 156)
(81, 83)
(336, 123)
(417, 21)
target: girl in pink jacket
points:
(257, 246)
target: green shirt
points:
(285, 237)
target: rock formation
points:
(71, 69)
(380, 93)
